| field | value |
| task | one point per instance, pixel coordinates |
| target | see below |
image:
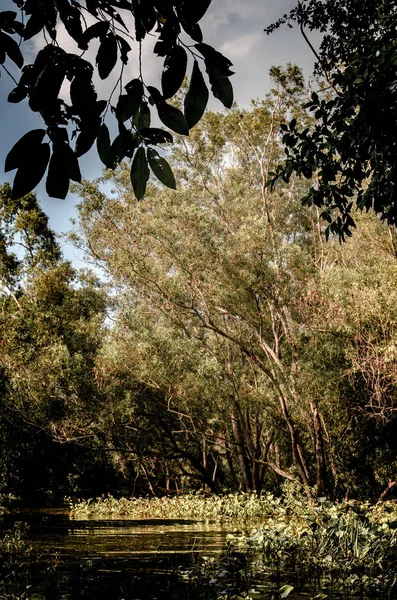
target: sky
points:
(233, 27)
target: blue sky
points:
(231, 26)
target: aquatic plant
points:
(349, 548)
(186, 506)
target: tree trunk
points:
(241, 458)
(319, 450)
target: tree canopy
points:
(62, 86)
(350, 152)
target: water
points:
(112, 558)
(124, 559)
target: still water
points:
(112, 558)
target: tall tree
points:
(50, 329)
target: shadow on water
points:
(112, 558)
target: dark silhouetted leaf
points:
(174, 71)
(17, 94)
(173, 118)
(24, 147)
(142, 117)
(71, 160)
(57, 182)
(107, 56)
(161, 168)
(139, 173)
(193, 12)
(71, 18)
(220, 86)
(156, 136)
(33, 26)
(215, 59)
(127, 106)
(86, 138)
(98, 30)
(218, 69)
(193, 30)
(103, 144)
(156, 96)
(118, 150)
(31, 171)
(48, 85)
(196, 98)
(12, 49)
(124, 49)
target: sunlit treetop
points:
(116, 29)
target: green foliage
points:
(270, 354)
(240, 507)
(349, 547)
(349, 153)
(54, 66)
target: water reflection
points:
(115, 558)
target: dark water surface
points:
(113, 558)
(124, 559)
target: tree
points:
(350, 152)
(210, 270)
(271, 353)
(51, 323)
(83, 115)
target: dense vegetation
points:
(227, 346)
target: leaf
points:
(124, 49)
(156, 136)
(99, 30)
(142, 117)
(17, 94)
(215, 59)
(12, 49)
(174, 72)
(72, 163)
(103, 144)
(220, 86)
(57, 182)
(87, 137)
(139, 173)
(27, 144)
(30, 171)
(71, 18)
(173, 118)
(34, 25)
(106, 57)
(161, 168)
(285, 591)
(196, 98)
(134, 88)
(193, 12)
(127, 106)
(218, 69)
(48, 85)
(118, 151)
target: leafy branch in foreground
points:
(82, 115)
(350, 151)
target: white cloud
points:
(242, 47)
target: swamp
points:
(198, 372)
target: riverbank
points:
(295, 547)
(348, 548)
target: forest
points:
(202, 406)
(216, 340)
